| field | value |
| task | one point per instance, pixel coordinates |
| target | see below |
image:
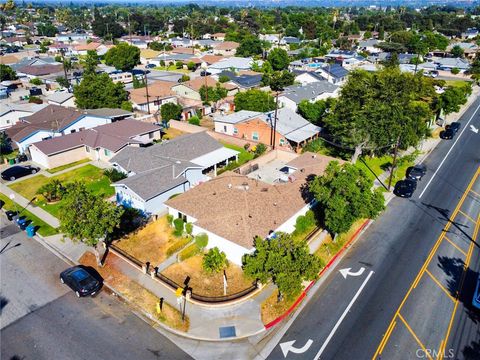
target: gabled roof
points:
(109, 112)
(158, 89)
(335, 71)
(237, 117)
(244, 80)
(291, 125)
(60, 97)
(227, 45)
(297, 93)
(40, 70)
(113, 136)
(28, 107)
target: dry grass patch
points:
(151, 242)
(436, 132)
(207, 284)
(272, 309)
(135, 293)
(207, 122)
(172, 133)
(329, 248)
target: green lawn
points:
(42, 227)
(98, 183)
(172, 68)
(244, 155)
(456, 83)
(63, 167)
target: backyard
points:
(243, 157)
(93, 177)
(207, 284)
(152, 242)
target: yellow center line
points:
(467, 216)
(440, 285)
(387, 335)
(430, 256)
(456, 246)
(414, 336)
(467, 262)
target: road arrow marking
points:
(288, 346)
(346, 272)
(474, 129)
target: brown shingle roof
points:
(160, 89)
(113, 137)
(240, 208)
(40, 70)
(183, 50)
(227, 45)
(86, 47)
(198, 82)
(211, 59)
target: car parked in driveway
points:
(80, 281)
(405, 188)
(18, 171)
(416, 172)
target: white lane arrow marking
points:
(474, 129)
(288, 346)
(346, 272)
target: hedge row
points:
(177, 246)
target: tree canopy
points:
(254, 100)
(7, 73)
(453, 97)
(249, 46)
(284, 261)
(213, 94)
(279, 59)
(123, 56)
(316, 111)
(87, 217)
(98, 91)
(344, 194)
(170, 111)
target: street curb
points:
(304, 293)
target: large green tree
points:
(213, 94)
(344, 194)
(254, 100)
(98, 91)
(123, 56)
(279, 59)
(249, 46)
(87, 217)
(170, 111)
(375, 109)
(288, 263)
(7, 73)
(316, 111)
(453, 97)
(90, 62)
(457, 51)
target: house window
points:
(73, 131)
(106, 152)
(150, 135)
(235, 131)
(87, 149)
(225, 128)
(255, 136)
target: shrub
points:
(184, 78)
(305, 222)
(260, 149)
(114, 175)
(191, 65)
(52, 191)
(179, 65)
(194, 120)
(455, 71)
(178, 224)
(188, 252)
(214, 260)
(170, 219)
(246, 146)
(201, 240)
(189, 228)
(223, 79)
(35, 100)
(178, 245)
(36, 81)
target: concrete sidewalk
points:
(206, 322)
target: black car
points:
(447, 134)
(205, 73)
(416, 172)
(454, 126)
(80, 281)
(405, 188)
(18, 171)
(150, 66)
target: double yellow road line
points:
(397, 315)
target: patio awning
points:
(215, 157)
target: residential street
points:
(348, 317)
(42, 319)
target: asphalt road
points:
(409, 266)
(42, 319)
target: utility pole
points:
(129, 29)
(62, 51)
(394, 163)
(275, 120)
(146, 89)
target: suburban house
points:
(289, 40)
(51, 121)
(61, 99)
(100, 49)
(306, 77)
(232, 64)
(72, 37)
(159, 93)
(244, 79)
(158, 172)
(99, 143)
(335, 74)
(191, 89)
(11, 113)
(369, 46)
(146, 55)
(218, 36)
(238, 205)
(34, 71)
(227, 48)
(312, 92)
(291, 130)
(109, 113)
(452, 63)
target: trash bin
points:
(10, 214)
(22, 223)
(30, 230)
(11, 161)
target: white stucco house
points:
(11, 113)
(158, 172)
(314, 91)
(241, 208)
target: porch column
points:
(215, 170)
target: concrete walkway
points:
(206, 322)
(39, 212)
